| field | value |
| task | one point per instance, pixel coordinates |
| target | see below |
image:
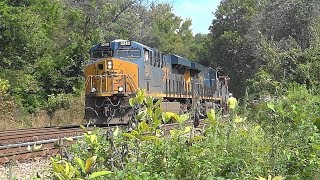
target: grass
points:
(12, 117)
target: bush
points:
(277, 139)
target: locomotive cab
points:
(109, 80)
(106, 75)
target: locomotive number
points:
(105, 44)
(125, 43)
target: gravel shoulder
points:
(26, 170)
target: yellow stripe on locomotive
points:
(111, 76)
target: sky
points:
(200, 11)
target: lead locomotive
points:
(118, 69)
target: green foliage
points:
(267, 42)
(56, 102)
(79, 171)
(44, 43)
(4, 86)
(276, 139)
(229, 47)
(292, 124)
(171, 33)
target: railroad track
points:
(24, 144)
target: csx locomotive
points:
(118, 69)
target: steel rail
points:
(19, 150)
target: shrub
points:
(277, 139)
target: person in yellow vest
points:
(232, 104)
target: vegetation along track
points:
(23, 144)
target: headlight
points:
(109, 63)
(120, 89)
(93, 90)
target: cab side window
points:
(155, 58)
(146, 56)
(151, 57)
(158, 59)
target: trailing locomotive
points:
(118, 69)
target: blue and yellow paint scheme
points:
(117, 69)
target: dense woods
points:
(270, 42)
(44, 44)
(269, 49)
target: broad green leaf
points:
(139, 115)
(36, 148)
(157, 104)
(238, 119)
(59, 176)
(271, 106)
(132, 102)
(149, 101)
(99, 173)
(58, 168)
(158, 133)
(260, 178)
(317, 122)
(197, 138)
(211, 115)
(143, 126)
(183, 117)
(278, 178)
(317, 147)
(89, 163)
(140, 93)
(173, 132)
(140, 96)
(288, 157)
(128, 135)
(135, 133)
(93, 138)
(83, 128)
(80, 163)
(257, 128)
(187, 129)
(149, 112)
(157, 113)
(68, 138)
(146, 138)
(116, 132)
(67, 168)
(244, 133)
(170, 115)
(140, 99)
(156, 122)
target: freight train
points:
(118, 69)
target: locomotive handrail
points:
(128, 79)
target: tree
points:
(262, 36)
(229, 47)
(44, 43)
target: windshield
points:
(101, 54)
(129, 53)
